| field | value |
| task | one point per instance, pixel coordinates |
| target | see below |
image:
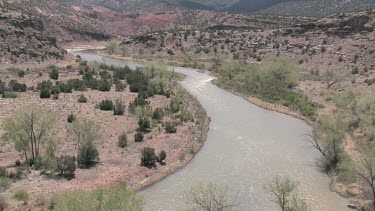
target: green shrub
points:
(148, 157)
(3, 203)
(87, 155)
(69, 67)
(11, 95)
(120, 86)
(3, 172)
(158, 114)
(111, 197)
(170, 52)
(21, 195)
(45, 85)
(104, 85)
(4, 183)
(65, 166)
(138, 137)
(13, 85)
(54, 74)
(161, 157)
(355, 70)
(122, 141)
(106, 105)
(170, 127)
(82, 99)
(71, 118)
(44, 94)
(119, 108)
(144, 124)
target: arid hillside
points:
(23, 38)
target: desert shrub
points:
(120, 86)
(120, 73)
(122, 140)
(369, 82)
(106, 105)
(138, 137)
(65, 166)
(161, 157)
(148, 157)
(13, 85)
(144, 124)
(71, 118)
(341, 58)
(158, 114)
(45, 85)
(3, 203)
(21, 195)
(55, 96)
(104, 85)
(11, 95)
(55, 90)
(323, 49)
(119, 108)
(4, 182)
(44, 94)
(175, 105)
(110, 197)
(76, 84)
(82, 99)
(355, 70)
(170, 52)
(105, 75)
(69, 67)
(87, 155)
(21, 73)
(3, 172)
(65, 88)
(54, 74)
(170, 127)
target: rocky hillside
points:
(24, 38)
(312, 8)
(319, 8)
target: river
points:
(246, 147)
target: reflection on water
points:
(245, 148)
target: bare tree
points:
(282, 191)
(29, 128)
(209, 197)
(330, 78)
(333, 129)
(366, 170)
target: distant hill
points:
(319, 8)
(313, 8)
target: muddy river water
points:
(245, 148)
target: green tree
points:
(29, 128)
(112, 46)
(84, 133)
